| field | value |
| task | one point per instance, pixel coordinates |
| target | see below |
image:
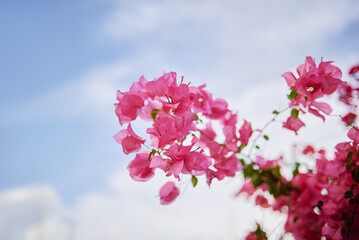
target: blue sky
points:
(62, 62)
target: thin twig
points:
(263, 128)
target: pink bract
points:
(293, 124)
(129, 140)
(168, 193)
(139, 168)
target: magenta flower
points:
(314, 82)
(293, 124)
(353, 134)
(139, 168)
(129, 140)
(168, 193)
(245, 132)
(128, 107)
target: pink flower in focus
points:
(159, 87)
(139, 168)
(129, 140)
(168, 193)
(293, 124)
(315, 82)
(128, 107)
(166, 129)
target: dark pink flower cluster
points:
(319, 203)
(349, 94)
(180, 143)
(313, 83)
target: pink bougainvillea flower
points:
(353, 134)
(332, 232)
(229, 166)
(128, 107)
(168, 193)
(315, 82)
(207, 135)
(161, 163)
(349, 118)
(129, 140)
(159, 87)
(354, 70)
(245, 132)
(196, 163)
(218, 108)
(290, 79)
(293, 124)
(139, 168)
(247, 188)
(262, 201)
(308, 150)
(139, 88)
(263, 163)
(167, 128)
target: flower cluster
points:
(313, 83)
(179, 141)
(319, 202)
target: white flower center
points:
(310, 89)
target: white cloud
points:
(32, 213)
(91, 95)
(130, 210)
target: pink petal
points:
(353, 134)
(168, 193)
(139, 168)
(293, 124)
(290, 79)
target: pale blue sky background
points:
(61, 63)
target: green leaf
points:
(257, 147)
(154, 113)
(349, 159)
(194, 181)
(292, 94)
(352, 201)
(294, 113)
(248, 171)
(355, 175)
(256, 180)
(275, 112)
(242, 162)
(296, 170)
(276, 172)
(272, 187)
(266, 137)
(348, 194)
